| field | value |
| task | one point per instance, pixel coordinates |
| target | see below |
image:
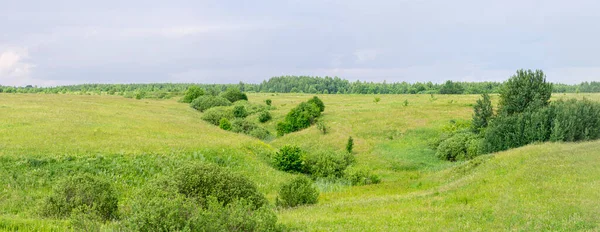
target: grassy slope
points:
(130, 141)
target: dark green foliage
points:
(203, 103)
(244, 126)
(451, 87)
(199, 181)
(288, 159)
(192, 93)
(268, 102)
(233, 95)
(240, 112)
(482, 113)
(361, 177)
(460, 146)
(350, 145)
(315, 100)
(82, 192)
(215, 114)
(327, 164)
(376, 99)
(264, 116)
(525, 90)
(300, 117)
(405, 103)
(225, 124)
(298, 191)
(561, 121)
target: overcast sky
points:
(226, 41)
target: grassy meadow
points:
(551, 186)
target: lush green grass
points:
(552, 186)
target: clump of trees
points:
(302, 116)
(525, 115)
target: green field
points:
(551, 186)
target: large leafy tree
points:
(525, 90)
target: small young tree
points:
(482, 112)
(525, 90)
(377, 99)
(268, 102)
(350, 144)
(289, 159)
(322, 127)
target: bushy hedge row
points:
(203, 103)
(567, 121)
(201, 197)
(300, 117)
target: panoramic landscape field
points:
(130, 143)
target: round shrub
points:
(264, 116)
(456, 147)
(268, 102)
(82, 191)
(240, 112)
(233, 95)
(225, 124)
(202, 180)
(203, 103)
(215, 114)
(327, 164)
(298, 191)
(192, 93)
(288, 159)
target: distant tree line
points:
(294, 84)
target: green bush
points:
(203, 103)
(233, 95)
(316, 101)
(456, 147)
(268, 102)
(300, 117)
(240, 112)
(327, 164)
(199, 181)
(288, 159)
(350, 145)
(82, 191)
(85, 218)
(215, 114)
(225, 124)
(243, 126)
(157, 208)
(361, 177)
(264, 116)
(298, 191)
(192, 93)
